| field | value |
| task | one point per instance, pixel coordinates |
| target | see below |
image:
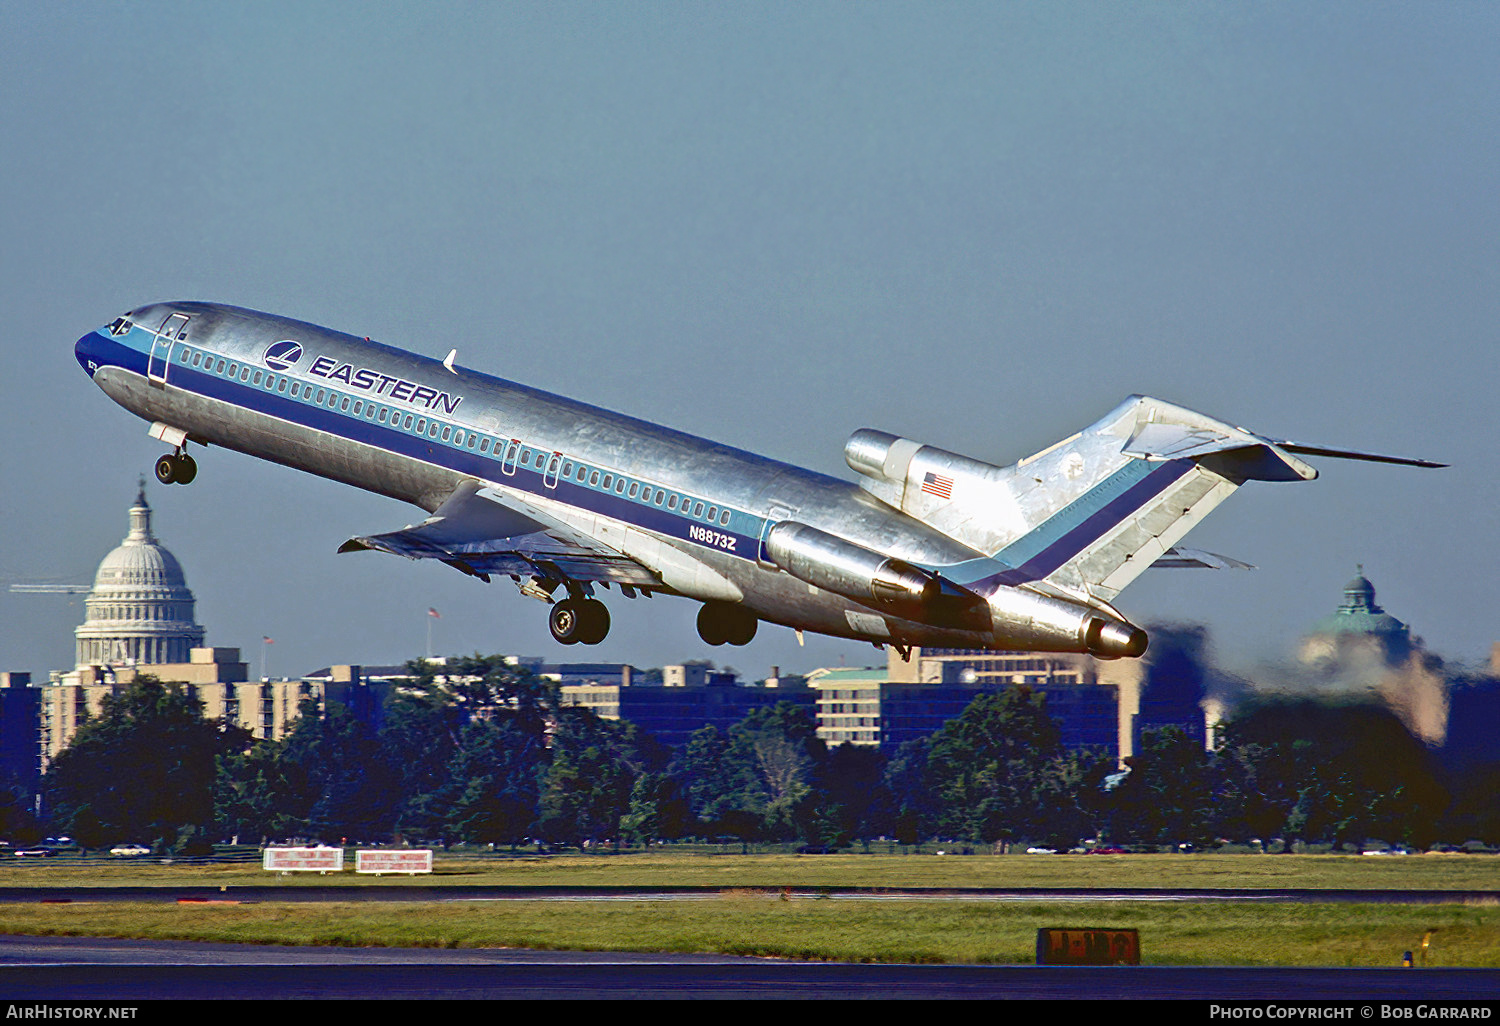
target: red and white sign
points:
(303, 860)
(410, 860)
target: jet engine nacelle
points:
(1026, 620)
(873, 578)
(919, 479)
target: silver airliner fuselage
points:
(555, 493)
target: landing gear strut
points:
(720, 622)
(579, 621)
(176, 468)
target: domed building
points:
(1361, 648)
(140, 610)
(1358, 625)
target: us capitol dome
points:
(140, 610)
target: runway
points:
(98, 970)
(91, 970)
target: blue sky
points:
(976, 225)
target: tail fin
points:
(1092, 512)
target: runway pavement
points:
(90, 970)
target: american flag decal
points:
(937, 484)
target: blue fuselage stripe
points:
(1081, 523)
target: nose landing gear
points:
(576, 621)
(176, 468)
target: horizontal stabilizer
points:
(1180, 557)
(1349, 454)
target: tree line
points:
(488, 754)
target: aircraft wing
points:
(482, 531)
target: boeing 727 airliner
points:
(929, 548)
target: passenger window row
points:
(458, 437)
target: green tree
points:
(1337, 773)
(588, 786)
(145, 769)
(1170, 795)
(999, 773)
(494, 782)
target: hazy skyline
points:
(771, 224)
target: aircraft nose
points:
(88, 352)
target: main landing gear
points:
(720, 623)
(176, 468)
(579, 621)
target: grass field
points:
(1417, 872)
(751, 915)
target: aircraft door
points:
(508, 466)
(173, 328)
(553, 465)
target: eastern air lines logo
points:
(283, 354)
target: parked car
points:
(34, 853)
(130, 850)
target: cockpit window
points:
(120, 326)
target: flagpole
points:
(432, 614)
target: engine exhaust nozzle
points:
(1114, 640)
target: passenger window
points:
(471, 441)
(357, 407)
(320, 396)
(421, 425)
(458, 438)
(620, 487)
(698, 510)
(484, 445)
(382, 415)
(634, 488)
(567, 470)
(432, 430)
(724, 518)
(672, 502)
(281, 384)
(345, 404)
(660, 496)
(712, 512)
(245, 374)
(446, 432)
(407, 424)
(594, 478)
(197, 359)
(220, 368)
(257, 377)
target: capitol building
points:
(140, 610)
(140, 620)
